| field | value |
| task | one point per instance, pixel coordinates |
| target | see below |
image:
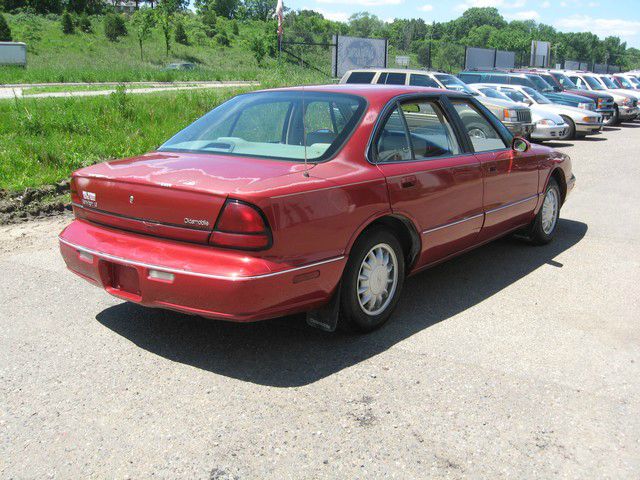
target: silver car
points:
(626, 104)
(548, 125)
(581, 122)
(517, 118)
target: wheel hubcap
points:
(377, 279)
(477, 133)
(550, 211)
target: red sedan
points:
(316, 199)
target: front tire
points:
(372, 281)
(571, 131)
(543, 227)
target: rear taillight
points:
(75, 196)
(241, 225)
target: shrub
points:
(114, 26)
(5, 31)
(258, 48)
(223, 39)
(209, 20)
(234, 28)
(67, 23)
(85, 24)
(180, 34)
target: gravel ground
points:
(509, 362)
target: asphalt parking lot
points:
(511, 361)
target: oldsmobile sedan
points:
(316, 199)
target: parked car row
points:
(559, 104)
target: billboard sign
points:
(356, 52)
(13, 53)
(482, 58)
(540, 54)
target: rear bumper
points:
(196, 279)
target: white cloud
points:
(335, 16)
(524, 15)
(546, 4)
(593, 4)
(603, 27)
(363, 3)
(510, 4)
(426, 8)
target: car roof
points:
(398, 70)
(370, 91)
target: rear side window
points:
(484, 137)
(422, 81)
(469, 77)
(430, 132)
(360, 77)
(396, 78)
(393, 143)
(503, 79)
(382, 79)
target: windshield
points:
(633, 81)
(537, 96)
(271, 125)
(491, 93)
(625, 83)
(454, 83)
(565, 81)
(593, 82)
(540, 83)
(608, 82)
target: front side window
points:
(273, 125)
(484, 137)
(422, 81)
(624, 82)
(565, 81)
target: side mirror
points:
(519, 144)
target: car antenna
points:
(304, 138)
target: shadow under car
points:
(285, 352)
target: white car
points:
(581, 122)
(548, 125)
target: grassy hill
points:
(90, 57)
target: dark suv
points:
(527, 80)
(605, 104)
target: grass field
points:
(90, 57)
(43, 140)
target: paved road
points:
(509, 362)
(10, 92)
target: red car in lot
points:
(316, 199)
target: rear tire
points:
(372, 281)
(543, 227)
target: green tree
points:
(260, 9)
(85, 23)
(142, 22)
(67, 23)
(258, 48)
(77, 6)
(164, 19)
(222, 8)
(364, 24)
(180, 35)
(114, 27)
(5, 31)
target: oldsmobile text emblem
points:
(131, 199)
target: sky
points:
(602, 17)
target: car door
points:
(510, 178)
(432, 179)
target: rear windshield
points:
(271, 125)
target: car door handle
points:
(408, 182)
